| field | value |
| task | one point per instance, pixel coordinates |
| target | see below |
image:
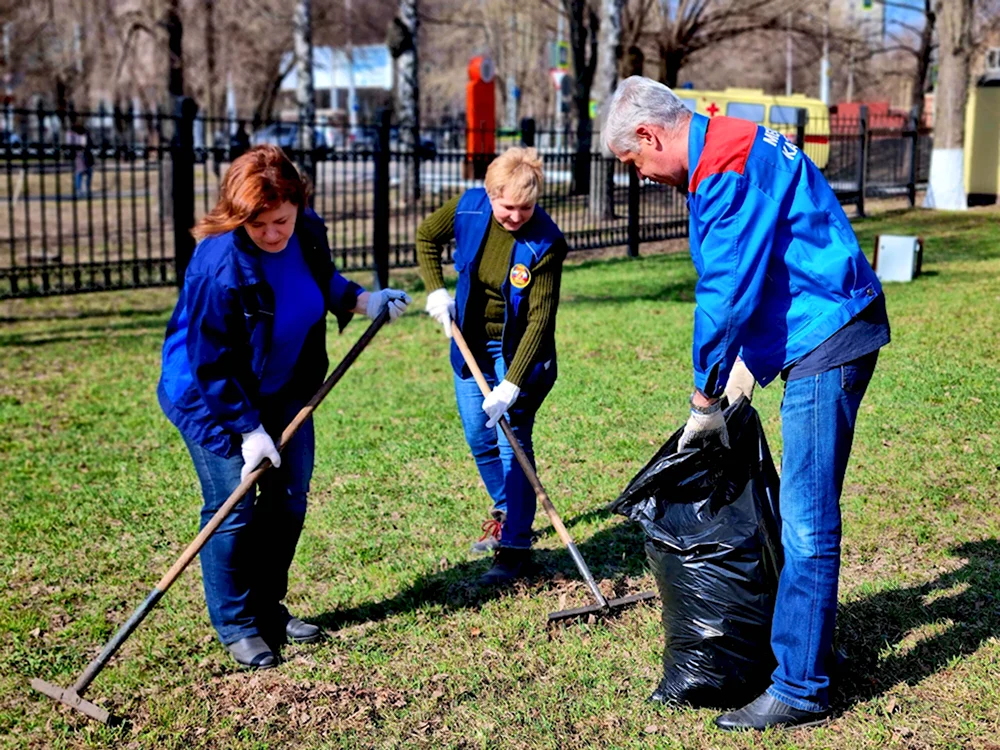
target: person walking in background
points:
(508, 255)
(83, 158)
(244, 351)
(783, 290)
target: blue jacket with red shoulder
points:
(779, 267)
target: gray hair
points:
(640, 101)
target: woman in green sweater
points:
(508, 255)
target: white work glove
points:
(741, 382)
(499, 401)
(393, 298)
(441, 307)
(257, 445)
(703, 429)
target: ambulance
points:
(776, 112)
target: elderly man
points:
(784, 287)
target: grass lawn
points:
(98, 497)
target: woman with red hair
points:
(244, 351)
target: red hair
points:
(260, 180)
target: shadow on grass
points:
(86, 314)
(964, 605)
(613, 553)
(134, 329)
(680, 291)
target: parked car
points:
(366, 139)
(286, 135)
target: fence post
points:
(801, 116)
(911, 185)
(527, 132)
(380, 213)
(182, 184)
(862, 159)
(633, 212)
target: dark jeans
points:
(244, 564)
(818, 414)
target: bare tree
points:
(946, 187)
(404, 46)
(583, 29)
(211, 84)
(635, 18)
(917, 43)
(305, 93)
(690, 26)
(608, 54)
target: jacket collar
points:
(247, 257)
(696, 141)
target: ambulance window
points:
(752, 112)
(785, 115)
(689, 103)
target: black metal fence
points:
(110, 206)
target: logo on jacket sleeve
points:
(520, 276)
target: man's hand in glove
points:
(741, 382)
(705, 426)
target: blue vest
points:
(531, 242)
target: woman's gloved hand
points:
(499, 401)
(394, 299)
(441, 307)
(257, 445)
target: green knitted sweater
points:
(485, 309)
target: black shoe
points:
(302, 632)
(253, 652)
(509, 564)
(766, 712)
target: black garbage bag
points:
(714, 545)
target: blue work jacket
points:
(779, 267)
(472, 221)
(219, 337)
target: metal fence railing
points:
(110, 205)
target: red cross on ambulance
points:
(711, 109)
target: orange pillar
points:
(480, 117)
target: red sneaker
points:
(490, 540)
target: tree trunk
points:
(408, 99)
(210, 84)
(923, 62)
(175, 88)
(608, 52)
(947, 180)
(670, 66)
(305, 94)
(583, 23)
(175, 50)
(633, 62)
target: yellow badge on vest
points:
(520, 276)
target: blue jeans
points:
(80, 177)
(244, 564)
(818, 414)
(502, 474)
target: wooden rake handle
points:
(304, 413)
(112, 646)
(529, 471)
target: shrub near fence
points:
(156, 172)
